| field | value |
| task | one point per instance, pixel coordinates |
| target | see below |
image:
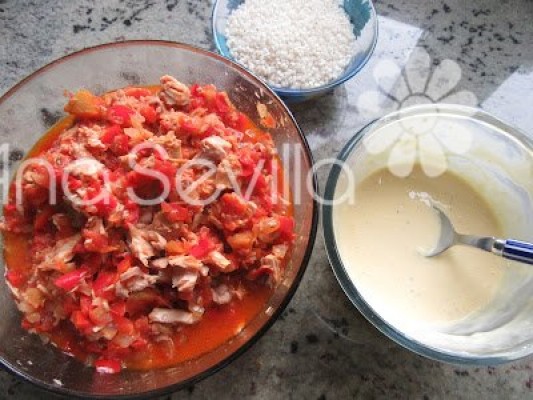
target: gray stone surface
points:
(321, 348)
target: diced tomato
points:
(120, 145)
(124, 325)
(196, 90)
(74, 184)
(86, 304)
(190, 126)
(175, 212)
(222, 103)
(104, 366)
(286, 228)
(149, 113)
(260, 183)
(103, 281)
(233, 204)
(26, 324)
(71, 279)
(197, 102)
(202, 249)
(124, 265)
(133, 212)
(110, 133)
(107, 204)
(80, 321)
(139, 344)
(70, 305)
(15, 278)
(242, 123)
(118, 309)
(166, 168)
(120, 115)
(247, 165)
(143, 325)
(95, 241)
(43, 217)
(209, 93)
(84, 104)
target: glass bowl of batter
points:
(464, 306)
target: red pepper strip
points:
(71, 279)
(103, 282)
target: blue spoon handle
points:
(518, 251)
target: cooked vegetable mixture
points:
(119, 280)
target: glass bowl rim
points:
(287, 92)
(335, 260)
(290, 291)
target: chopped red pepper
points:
(149, 113)
(71, 279)
(80, 321)
(175, 212)
(222, 103)
(286, 228)
(202, 249)
(103, 282)
(110, 133)
(120, 115)
(15, 278)
(43, 217)
(104, 366)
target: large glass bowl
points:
(28, 110)
(364, 20)
(498, 163)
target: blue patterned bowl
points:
(365, 26)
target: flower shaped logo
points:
(427, 139)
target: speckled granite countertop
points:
(321, 348)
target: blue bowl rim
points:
(335, 259)
(288, 92)
(70, 393)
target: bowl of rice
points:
(301, 48)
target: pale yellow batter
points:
(380, 235)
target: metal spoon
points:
(512, 249)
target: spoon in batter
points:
(508, 248)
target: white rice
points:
(292, 43)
